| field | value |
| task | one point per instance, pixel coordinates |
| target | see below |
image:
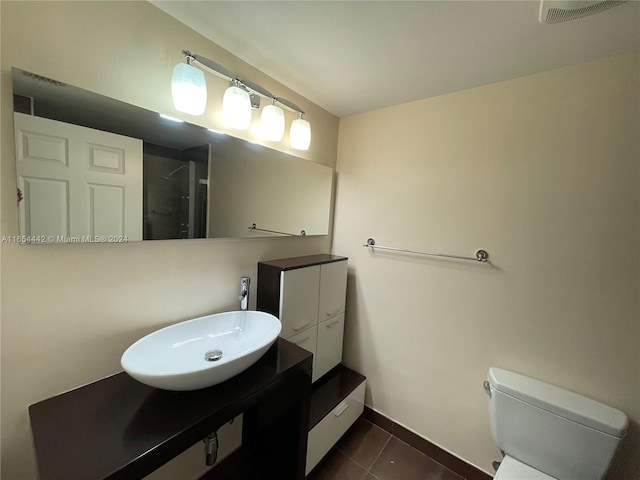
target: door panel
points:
(45, 209)
(329, 348)
(333, 287)
(106, 210)
(80, 181)
(299, 299)
(308, 340)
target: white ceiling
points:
(356, 56)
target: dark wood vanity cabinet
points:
(308, 295)
(118, 428)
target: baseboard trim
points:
(453, 463)
(236, 460)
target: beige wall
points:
(541, 171)
(69, 311)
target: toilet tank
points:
(558, 432)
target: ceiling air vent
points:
(557, 11)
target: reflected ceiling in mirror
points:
(92, 169)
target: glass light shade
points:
(188, 89)
(236, 108)
(300, 134)
(272, 123)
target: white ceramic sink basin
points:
(201, 352)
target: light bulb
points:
(236, 108)
(300, 134)
(272, 123)
(188, 89)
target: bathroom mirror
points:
(93, 169)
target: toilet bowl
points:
(548, 433)
(512, 469)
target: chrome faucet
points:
(244, 293)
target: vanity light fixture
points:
(236, 107)
(300, 134)
(272, 122)
(188, 89)
(241, 93)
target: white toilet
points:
(548, 433)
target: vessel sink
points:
(201, 352)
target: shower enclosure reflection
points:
(174, 189)
(90, 166)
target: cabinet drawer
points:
(333, 287)
(299, 299)
(309, 341)
(329, 350)
(329, 430)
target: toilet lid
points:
(512, 469)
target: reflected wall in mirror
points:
(91, 169)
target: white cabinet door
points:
(309, 341)
(333, 287)
(299, 299)
(329, 348)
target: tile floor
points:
(367, 452)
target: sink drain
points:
(213, 355)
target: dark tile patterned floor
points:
(367, 452)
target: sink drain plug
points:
(213, 355)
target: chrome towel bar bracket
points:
(481, 255)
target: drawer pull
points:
(300, 327)
(340, 410)
(332, 313)
(332, 324)
(302, 341)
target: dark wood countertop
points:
(301, 262)
(119, 428)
